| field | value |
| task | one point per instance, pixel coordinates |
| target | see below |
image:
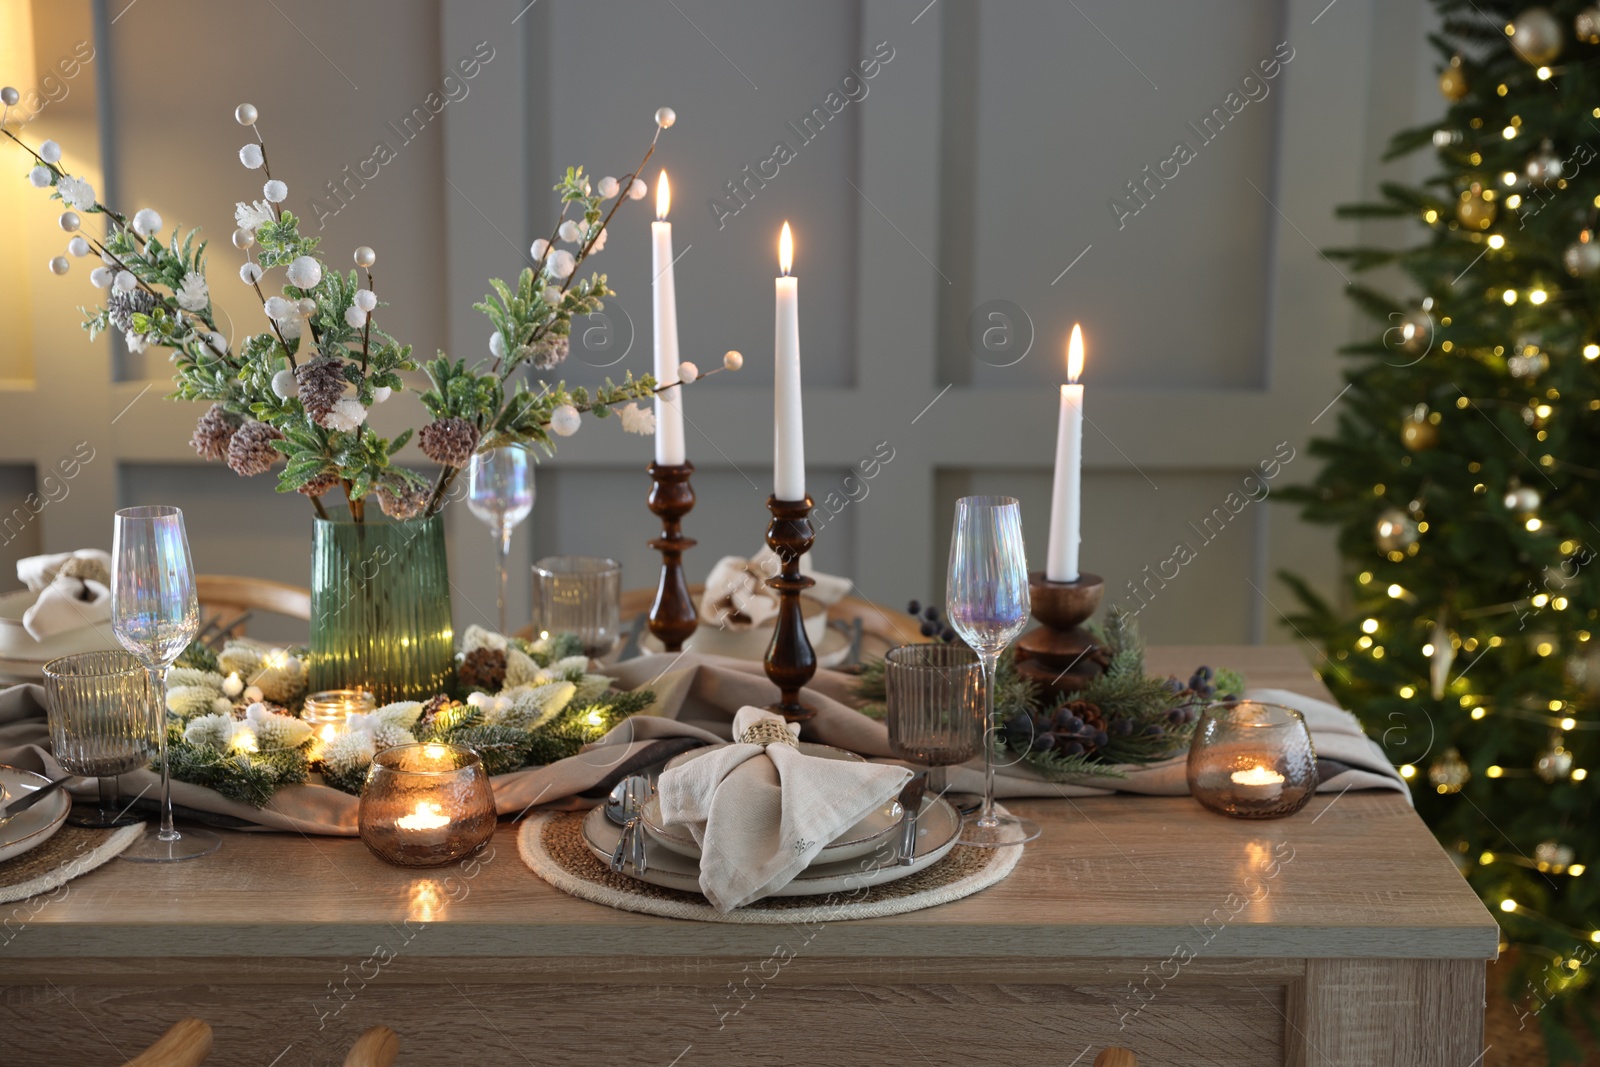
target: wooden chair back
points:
(377, 1047)
(1116, 1057)
(186, 1044)
(226, 598)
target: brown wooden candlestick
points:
(672, 617)
(1061, 655)
(790, 659)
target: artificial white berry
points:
(565, 420)
(9, 96)
(253, 694)
(365, 257)
(245, 114)
(608, 187)
(250, 273)
(539, 248)
(732, 360)
(284, 384)
(366, 299)
(125, 281)
(146, 222)
(78, 247)
(39, 177)
(275, 191)
(568, 231)
(70, 221)
(665, 117)
(355, 317)
(217, 342)
(637, 190)
(278, 309)
(60, 265)
(382, 393)
(243, 239)
(50, 152)
(101, 277)
(250, 155)
(688, 372)
(560, 264)
(497, 345)
(304, 273)
(306, 306)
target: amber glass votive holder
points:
(1252, 760)
(426, 804)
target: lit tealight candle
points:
(1258, 783)
(430, 816)
(333, 707)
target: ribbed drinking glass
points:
(935, 706)
(581, 595)
(99, 711)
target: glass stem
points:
(987, 664)
(938, 781)
(504, 558)
(108, 797)
(158, 686)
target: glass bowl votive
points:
(1252, 760)
(581, 595)
(426, 804)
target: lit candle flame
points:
(1257, 775)
(428, 816)
(1075, 354)
(663, 197)
(785, 249)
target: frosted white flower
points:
(76, 192)
(274, 730)
(278, 309)
(520, 668)
(284, 384)
(101, 277)
(304, 273)
(350, 751)
(50, 152)
(249, 216)
(177, 676)
(78, 247)
(253, 693)
(599, 241)
(479, 699)
(539, 248)
(233, 685)
(187, 701)
(250, 273)
(608, 187)
(530, 707)
(400, 713)
(146, 222)
(366, 299)
(637, 190)
(381, 393)
(125, 281)
(345, 415)
(215, 730)
(636, 419)
(193, 295)
(387, 736)
(552, 295)
(568, 231)
(250, 155)
(478, 637)
(591, 687)
(222, 706)
(565, 420)
(39, 177)
(688, 373)
(275, 191)
(355, 317)
(136, 342)
(570, 668)
(560, 264)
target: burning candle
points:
(789, 438)
(1258, 783)
(1066, 502)
(334, 707)
(664, 306)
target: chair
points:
(377, 1047)
(227, 600)
(186, 1044)
(1115, 1057)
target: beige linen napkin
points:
(72, 588)
(762, 811)
(738, 597)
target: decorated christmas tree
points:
(1464, 479)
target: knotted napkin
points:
(738, 597)
(73, 590)
(761, 810)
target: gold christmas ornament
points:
(1529, 362)
(1419, 430)
(1582, 258)
(1522, 499)
(1553, 855)
(1444, 654)
(1449, 772)
(1476, 209)
(1453, 80)
(1536, 35)
(1554, 763)
(1414, 335)
(1395, 531)
(1544, 166)
(1587, 25)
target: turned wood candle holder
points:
(672, 616)
(1061, 655)
(790, 661)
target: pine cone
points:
(550, 352)
(430, 711)
(251, 452)
(483, 668)
(214, 432)
(448, 441)
(319, 485)
(1089, 713)
(401, 501)
(121, 306)
(321, 385)
(1077, 728)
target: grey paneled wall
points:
(978, 164)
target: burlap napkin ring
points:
(769, 732)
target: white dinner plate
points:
(832, 651)
(937, 830)
(39, 823)
(857, 840)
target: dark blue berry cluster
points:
(932, 624)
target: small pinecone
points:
(123, 306)
(214, 432)
(430, 712)
(448, 441)
(401, 501)
(319, 485)
(550, 352)
(1089, 713)
(321, 385)
(86, 568)
(483, 668)
(251, 452)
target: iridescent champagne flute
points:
(500, 493)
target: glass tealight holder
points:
(1252, 760)
(581, 595)
(426, 804)
(333, 707)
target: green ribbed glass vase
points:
(380, 606)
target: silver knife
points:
(21, 805)
(911, 802)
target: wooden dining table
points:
(1341, 936)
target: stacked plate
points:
(31, 828)
(866, 854)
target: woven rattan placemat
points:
(70, 852)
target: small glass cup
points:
(581, 595)
(935, 706)
(426, 804)
(1252, 760)
(99, 712)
